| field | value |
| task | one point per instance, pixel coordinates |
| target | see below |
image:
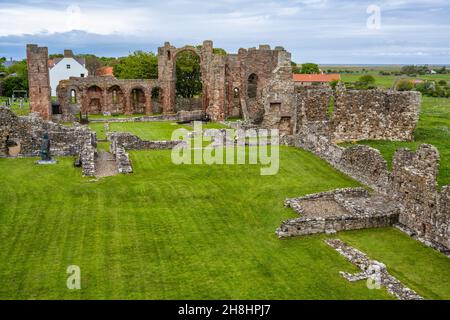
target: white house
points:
(64, 68)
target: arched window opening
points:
(252, 86)
(73, 96)
(236, 92)
(114, 96)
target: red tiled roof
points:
(316, 77)
(105, 71)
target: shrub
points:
(405, 85)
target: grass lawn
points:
(433, 128)
(195, 232)
(24, 111)
(160, 130)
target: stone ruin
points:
(22, 137)
(408, 196)
(257, 85)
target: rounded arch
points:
(138, 99)
(73, 94)
(157, 99)
(189, 83)
(115, 99)
(94, 99)
(184, 49)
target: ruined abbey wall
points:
(97, 95)
(352, 115)
(375, 115)
(22, 136)
(423, 209)
(39, 81)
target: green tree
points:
(20, 68)
(2, 67)
(295, 67)
(188, 72)
(138, 65)
(10, 84)
(365, 82)
(310, 68)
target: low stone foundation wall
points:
(87, 158)
(411, 184)
(123, 160)
(28, 132)
(338, 210)
(163, 117)
(131, 142)
(372, 270)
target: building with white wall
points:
(64, 68)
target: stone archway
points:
(94, 100)
(167, 58)
(138, 100)
(157, 98)
(187, 75)
(115, 99)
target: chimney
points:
(68, 54)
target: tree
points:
(310, 68)
(2, 67)
(92, 63)
(138, 65)
(295, 67)
(19, 68)
(365, 82)
(9, 84)
(188, 71)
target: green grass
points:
(24, 111)
(414, 263)
(195, 232)
(433, 128)
(101, 116)
(388, 81)
(159, 130)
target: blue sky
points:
(322, 31)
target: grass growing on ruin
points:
(433, 128)
(198, 232)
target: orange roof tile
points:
(105, 71)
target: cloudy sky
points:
(323, 31)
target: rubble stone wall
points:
(412, 183)
(28, 132)
(129, 141)
(375, 115)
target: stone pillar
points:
(105, 105)
(127, 98)
(39, 81)
(148, 101)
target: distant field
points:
(381, 81)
